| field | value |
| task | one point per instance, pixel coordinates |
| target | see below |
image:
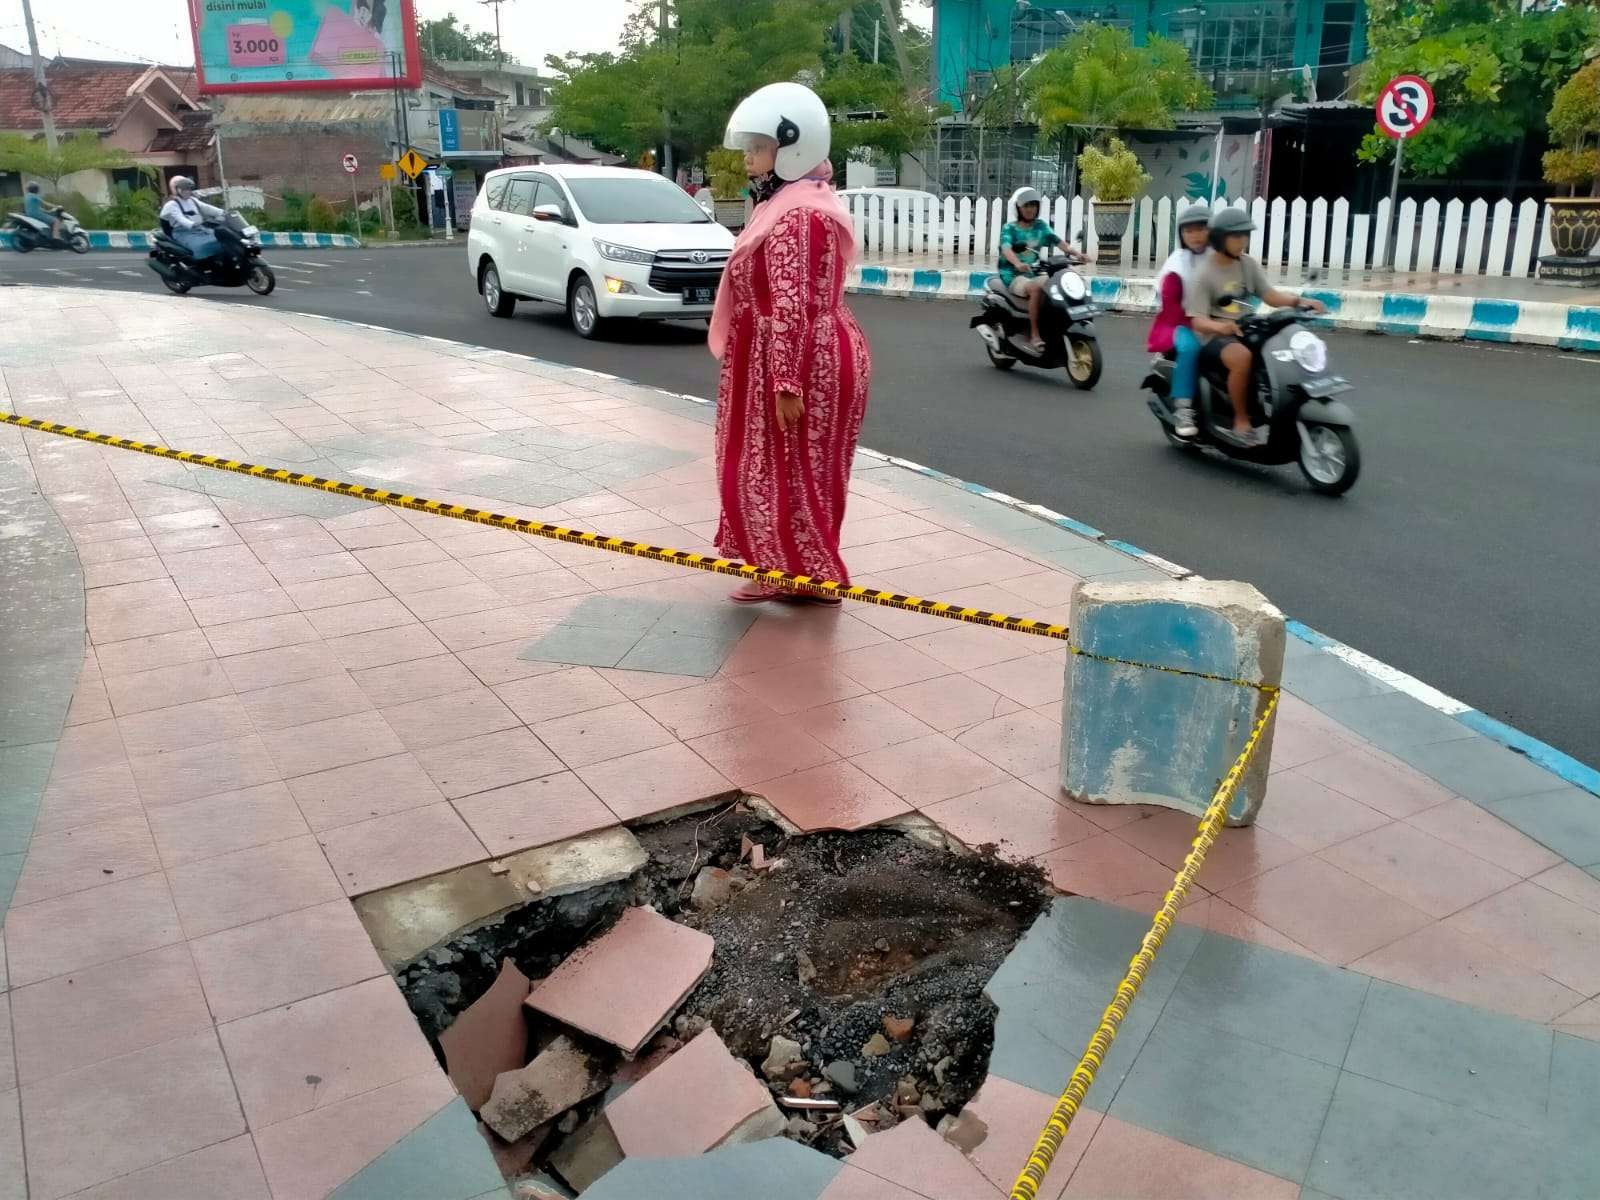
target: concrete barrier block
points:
(1133, 735)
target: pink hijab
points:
(811, 192)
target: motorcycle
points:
(31, 233)
(236, 264)
(1066, 326)
(1291, 393)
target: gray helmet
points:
(1194, 214)
(182, 183)
(1226, 221)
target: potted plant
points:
(1575, 163)
(728, 183)
(1112, 177)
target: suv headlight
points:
(625, 254)
(1310, 351)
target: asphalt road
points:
(1468, 554)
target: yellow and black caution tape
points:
(1055, 1130)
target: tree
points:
(1493, 71)
(446, 39)
(1575, 125)
(27, 155)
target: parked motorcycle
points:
(1066, 325)
(30, 233)
(237, 263)
(1291, 393)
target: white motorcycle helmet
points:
(793, 116)
(1024, 195)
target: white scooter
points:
(31, 233)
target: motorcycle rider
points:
(185, 218)
(1219, 292)
(34, 206)
(1020, 243)
(1172, 331)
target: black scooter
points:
(1066, 326)
(1291, 393)
(30, 233)
(237, 262)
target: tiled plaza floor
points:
(230, 706)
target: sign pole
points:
(1394, 199)
(355, 209)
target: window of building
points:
(1224, 39)
(1037, 31)
(522, 96)
(1338, 33)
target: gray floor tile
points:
(677, 654)
(718, 621)
(581, 646)
(775, 1169)
(618, 612)
(444, 1158)
(1395, 721)
(1494, 1064)
(1253, 1103)
(1575, 1084)
(1481, 770)
(1322, 679)
(1384, 1143)
(1567, 820)
(1267, 996)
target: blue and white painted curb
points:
(1533, 322)
(120, 239)
(1557, 762)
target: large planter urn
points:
(1110, 224)
(1574, 224)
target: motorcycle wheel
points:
(1000, 361)
(79, 243)
(261, 280)
(1084, 362)
(22, 241)
(1329, 458)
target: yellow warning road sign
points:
(413, 164)
(387, 172)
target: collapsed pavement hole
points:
(848, 970)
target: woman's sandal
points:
(754, 593)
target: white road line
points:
(361, 292)
(319, 266)
(287, 267)
(131, 274)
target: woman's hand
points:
(791, 409)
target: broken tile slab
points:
(730, 1105)
(562, 1076)
(775, 1169)
(488, 1038)
(918, 1159)
(625, 985)
(588, 1154)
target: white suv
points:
(607, 242)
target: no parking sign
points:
(1404, 106)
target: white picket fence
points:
(1292, 236)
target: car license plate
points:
(700, 295)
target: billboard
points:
(245, 46)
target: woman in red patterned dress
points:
(795, 365)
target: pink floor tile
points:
(477, 764)
(1014, 1115)
(796, 686)
(241, 606)
(642, 685)
(90, 856)
(419, 679)
(860, 726)
(117, 1116)
(184, 726)
(559, 693)
(226, 1169)
(889, 665)
(835, 795)
(1468, 827)
(283, 959)
(263, 633)
(853, 1184)
(204, 771)
(361, 617)
(602, 734)
(1031, 681)
(72, 933)
(489, 1037)
(89, 798)
(287, 664)
(1331, 913)
(969, 647)
(385, 647)
(337, 742)
(706, 708)
(1540, 930)
(423, 724)
(361, 791)
(624, 985)
(1311, 814)
(1377, 782)
(400, 847)
(1013, 817)
(1019, 744)
(152, 653)
(249, 885)
(138, 621)
(327, 1048)
(951, 703)
(652, 781)
(752, 754)
(650, 1119)
(1456, 965)
(1131, 1163)
(326, 593)
(1418, 868)
(87, 748)
(913, 1156)
(1582, 1021)
(1216, 914)
(305, 701)
(103, 1012)
(1236, 855)
(1296, 744)
(1566, 880)
(1105, 868)
(533, 813)
(930, 769)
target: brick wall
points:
(307, 162)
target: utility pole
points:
(499, 50)
(666, 116)
(41, 90)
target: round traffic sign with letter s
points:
(1404, 106)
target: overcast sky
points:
(159, 29)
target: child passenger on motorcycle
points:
(1172, 331)
(1020, 243)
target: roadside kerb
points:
(121, 239)
(1450, 318)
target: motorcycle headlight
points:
(1310, 351)
(1072, 286)
(625, 254)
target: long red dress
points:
(783, 495)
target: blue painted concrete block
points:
(926, 281)
(1131, 734)
(874, 276)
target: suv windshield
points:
(648, 200)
